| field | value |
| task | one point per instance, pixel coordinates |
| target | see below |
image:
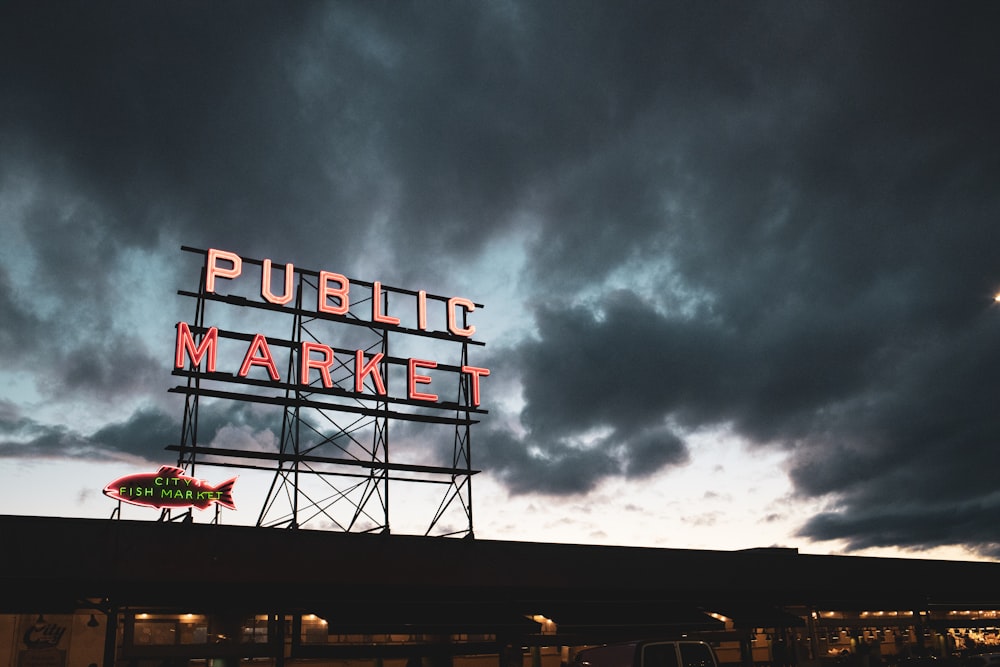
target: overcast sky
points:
(737, 259)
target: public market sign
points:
(333, 299)
(361, 379)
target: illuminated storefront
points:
(145, 638)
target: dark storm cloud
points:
(817, 252)
(162, 114)
(123, 124)
(108, 368)
(274, 126)
(557, 466)
(68, 341)
(144, 434)
(44, 441)
(901, 430)
(19, 323)
(21, 436)
(148, 431)
(780, 218)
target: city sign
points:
(170, 487)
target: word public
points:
(333, 297)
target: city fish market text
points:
(316, 356)
(170, 487)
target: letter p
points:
(213, 270)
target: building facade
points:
(109, 593)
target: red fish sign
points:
(170, 487)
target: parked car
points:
(651, 653)
(983, 660)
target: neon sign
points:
(170, 487)
(333, 300)
(332, 361)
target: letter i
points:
(422, 310)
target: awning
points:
(962, 622)
(437, 617)
(760, 616)
(649, 615)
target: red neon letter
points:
(265, 284)
(422, 310)
(453, 318)
(474, 373)
(212, 268)
(185, 343)
(341, 293)
(377, 315)
(322, 366)
(361, 369)
(412, 379)
(265, 359)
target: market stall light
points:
(548, 625)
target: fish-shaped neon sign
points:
(170, 487)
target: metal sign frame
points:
(336, 438)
